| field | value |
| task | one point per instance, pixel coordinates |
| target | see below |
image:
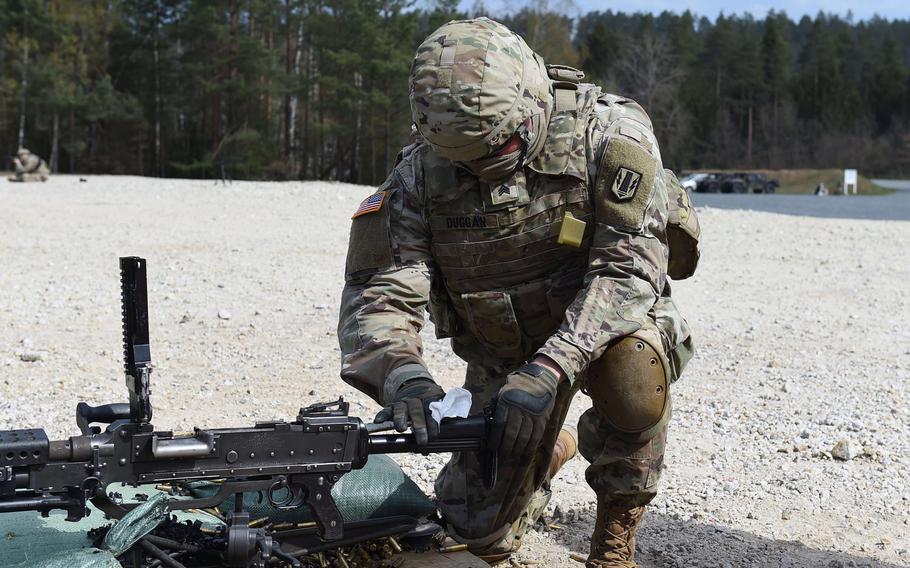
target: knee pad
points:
(629, 385)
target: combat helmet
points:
(473, 85)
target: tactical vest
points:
(503, 281)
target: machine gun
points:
(294, 464)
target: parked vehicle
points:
(727, 182)
(690, 181)
(760, 183)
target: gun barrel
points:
(405, 443)
(455, 435)
(38, 503)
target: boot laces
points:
(616, 540)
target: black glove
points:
(412, 405)
(523, 409)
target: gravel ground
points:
(800, 323)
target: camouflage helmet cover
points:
(23, 152)
(473, 83)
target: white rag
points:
(455, 404)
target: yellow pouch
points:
(572, 231)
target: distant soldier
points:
(535, 221)
(29, 167)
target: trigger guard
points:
(294, 499)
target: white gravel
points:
(801, 325)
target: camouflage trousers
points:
(493, 521)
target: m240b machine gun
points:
(294, 464)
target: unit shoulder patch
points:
(625, 183)
(371, 204)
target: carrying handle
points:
(103, 414)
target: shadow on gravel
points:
(669, 543)
(893, 207)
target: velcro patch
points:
(370, 246)
(504, 193)
(625, 184)
(371, 204)
(464, 221)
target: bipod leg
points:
(137, 557)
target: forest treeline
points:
(317, 89)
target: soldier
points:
(534, 221)
(28, 167)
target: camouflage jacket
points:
(493, 264)
(29, 164)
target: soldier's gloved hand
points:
(523, 409)
(411, 405)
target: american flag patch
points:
(371, 204)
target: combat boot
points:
(565, 449)
(613, 541)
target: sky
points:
(890, 9)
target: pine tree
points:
(889, 83)
(775, 66)
(318, 88)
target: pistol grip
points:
(322, 504)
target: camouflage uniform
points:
(29, 167)
(486, 261)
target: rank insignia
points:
(371, 204)
(625, 184)
(503, 194)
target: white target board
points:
(850, 181)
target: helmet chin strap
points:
(540, 128)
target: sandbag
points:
(136, 524)
(84, 558)
(28, 540)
